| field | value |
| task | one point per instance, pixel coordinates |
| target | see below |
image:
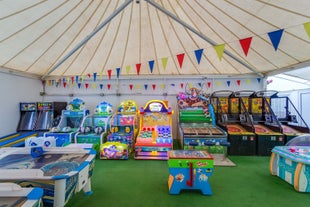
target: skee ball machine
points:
(124, 127)
(232, 115)
(94, 128)
(197, 124)
(267, 127)
(287, 114)
(155, 135)
(69, 123)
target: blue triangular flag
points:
(258, 80)
(101, 86)
(118, 70)
(151, 65)
(275, 37)
(198, 54)
(228, 83)
(145, 86)
(95, 76)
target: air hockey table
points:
(190, 170)
(13, 195)
(60, 172)
(292, 164)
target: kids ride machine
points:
(69, 123)
(123, 130)
(94, 128)
(155, 136)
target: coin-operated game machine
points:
(197, 123)
(233, 117)
(94, 128)
(190, 170)
(267, 127)
(69, 123)
(124, 127)
(25, 127)
(155, 135)
(291, 120)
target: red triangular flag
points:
(180, 59)
(182, 85)
(131, 86)
(153, 86)
(109, 73)
(209, 84)
(245, 44)
(72, 79)
(238, 82)
(138, 66)
(65, 84)
(109, 86)
(86, 85)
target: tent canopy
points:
(49, 38)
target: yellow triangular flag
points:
(138, 86)
(164, 62)
(82, 78)
(219, 50)
(93, 85)
(248, 81)
(307, 28)
(218, 83)
(127, 69)
(190, 85)
(100, 75)
(163, 86)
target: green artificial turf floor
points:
(126, 183)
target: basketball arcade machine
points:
(197, 124)
(124, 126)
(233, 117)
(94, 128)
(267, 127)
(291, 120)
(69, 123)
(155, 135)
(25, 128)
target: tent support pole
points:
(201, 35)
(78, 46)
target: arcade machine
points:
(155, 135)
(233, 117)
(197, 124)
(69, 123)
(291, 120)
(190, 170)
(124, 127)
(94, 128)
(25, 128)
(45, 116)
(267, 127)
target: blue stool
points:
(225, 145)
(209, 143)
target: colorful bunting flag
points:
(86, 85)
(307, 28)
(130, 86)
(182, 85)
(209, 84)
(180, 59)
(245, 44)
(127, 69)
(95, 76)
(79, 85)
(258, 80)
(109, 86)
(198, 54)
(151, 65)
(109, 73)
(238, 82)
(275, 38)
(145, 86)
(101, 86)
(164, 62)
(219, 50)
(228, 83)
(138, 67)
(118, 70)
(153, 86)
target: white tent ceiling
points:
(51, 38)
